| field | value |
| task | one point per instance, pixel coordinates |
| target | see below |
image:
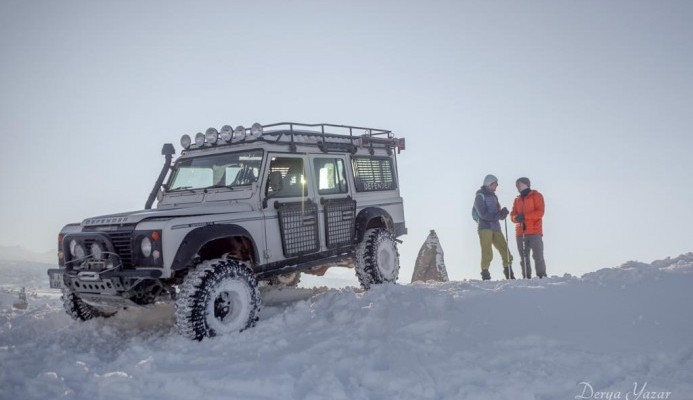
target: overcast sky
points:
(590, 99)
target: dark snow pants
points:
(535, 244)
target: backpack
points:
(475, 214)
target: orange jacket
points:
(532, 206)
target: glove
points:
(504, 213)
(520, 217)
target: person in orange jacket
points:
(527, 214)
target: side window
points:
(330, 175)
(286, 178)
(373, 173)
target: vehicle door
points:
(291, 213)
(336, 208)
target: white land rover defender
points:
(241, 206)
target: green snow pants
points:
(487, 238)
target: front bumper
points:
(107, 285)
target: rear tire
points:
(377, 258)
(79, 310)
(218, 297)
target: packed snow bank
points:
(622, 330)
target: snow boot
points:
(485, 275)
(508, 272)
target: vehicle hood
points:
(134, 217)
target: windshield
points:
(219, 170)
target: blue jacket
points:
(488, 208)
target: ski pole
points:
(507, 249)
(526, 269)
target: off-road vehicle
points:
(238, 209)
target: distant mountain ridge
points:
(18, 253)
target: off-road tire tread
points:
(195, 290)
(366, 267)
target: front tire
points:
(377, 258)
(79, 310)
(218, 297)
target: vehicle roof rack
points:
(350, 138)
(328, 137)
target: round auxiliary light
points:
(211, 136)
(256, 130)
(146, 246)
(79, 251)
(96, 251)
(199, 139)
(185, 141)
(239, 133)
(226, 133)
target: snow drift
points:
(615, 331)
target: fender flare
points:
(198, 237)
(368, 214)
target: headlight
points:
(211, 136)
(185, 141)
(146, 246)
(96, 251)
(73, 243)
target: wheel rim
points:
(229, 308)
(387, 261)
(226, 307)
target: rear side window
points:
(373, 174)
(330, 175)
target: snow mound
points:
(537, 339)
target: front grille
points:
(122, 242)
(121, 238)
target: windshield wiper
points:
(181, 189)
(219, 186)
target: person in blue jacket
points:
(488, 213)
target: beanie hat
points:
(524, 180)
(489, 180)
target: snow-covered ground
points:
(623, 332)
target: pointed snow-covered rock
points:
(430, 263)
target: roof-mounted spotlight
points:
(226, 133)
(185, 141)
(211, 136)
(256, 130)
(200, 139)
(239, 133)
